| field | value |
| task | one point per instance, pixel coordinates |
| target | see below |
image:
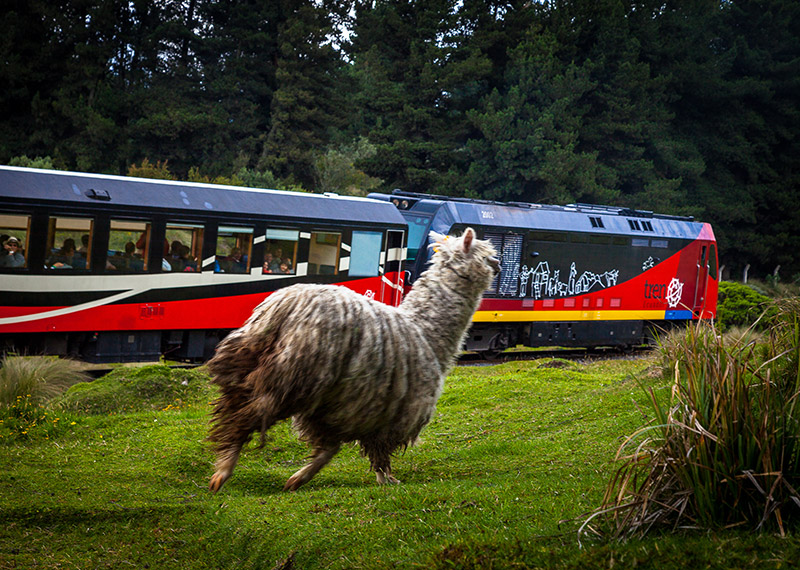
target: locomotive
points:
(115, 269)
(578, 275)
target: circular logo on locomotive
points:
(674, 292)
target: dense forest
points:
(684, 107)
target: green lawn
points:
(516, 454)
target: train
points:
(120, 269)
(578, 275)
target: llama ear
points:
(437, 239)
(469, 235)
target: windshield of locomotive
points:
(417, 232)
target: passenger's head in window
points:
(12, 253)
(66, 258)
(68, 247)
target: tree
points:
(305, 107)
(530, 136)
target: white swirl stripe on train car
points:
(98, 283)
(70, 310)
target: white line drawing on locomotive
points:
(649, 263)
(545, 283)
(674, 292)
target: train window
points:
(661, 243)
(619, 240)
(14, 231)
(600, 239)
(365, 253)
(128, 245)
(634, 224)
(183, 246)
(233, 250)
(280, 251)
(323, 254)
(648, 227)
(638, 242)
(597, 222)
(417, 232)
(69, 243)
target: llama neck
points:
(443, 310)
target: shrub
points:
(738, 305)
(44, 162)
(725, 451)
(147, 169)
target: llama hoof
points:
(384, 479)
(217, 480)
(294, 483)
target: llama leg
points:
(231, 439)
(381, 461)
(321, 456)
(226, 461)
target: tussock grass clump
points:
(155, 387)
(725, 450)
(27, 384)
(37, 378)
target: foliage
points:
(725, 450)
(44, 162)
(195, 176)
(127, 389)
(683, 108)
(738, 305)
(146, 169)
(335, 170)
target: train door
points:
(392, 282)
(701, 283)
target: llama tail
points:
(233, 360)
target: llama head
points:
(470, 258)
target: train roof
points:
(75, 189)
(448, 211)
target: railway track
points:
(466, 359)
(476, 359)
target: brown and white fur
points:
(347, 368)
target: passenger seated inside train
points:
(128, 261)
(67, 257)
(234, 262)
(12, 254)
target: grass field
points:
(516, 454)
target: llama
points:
(344, 367)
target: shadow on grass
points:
(70, 517)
